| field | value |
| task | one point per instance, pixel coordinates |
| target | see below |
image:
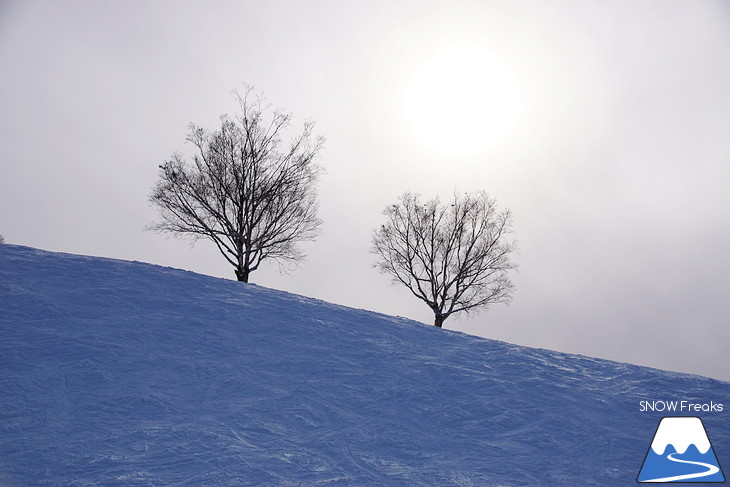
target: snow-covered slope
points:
(120, 373)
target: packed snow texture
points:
(121, 373)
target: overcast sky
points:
(603, 126)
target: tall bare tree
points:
(454, 257)
(241, 190)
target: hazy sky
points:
(604, 126)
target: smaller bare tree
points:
(254, 199)
(454, 257)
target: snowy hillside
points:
(119, 373)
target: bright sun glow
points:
(461, 101)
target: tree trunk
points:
(242, 274)
(438, 320)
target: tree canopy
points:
(454, 257)
(253, 197)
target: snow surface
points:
(120, 373)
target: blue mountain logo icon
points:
(680, 452)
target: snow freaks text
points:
(680, 407)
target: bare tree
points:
(2, 240)
(254, 200)
(454, 257)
